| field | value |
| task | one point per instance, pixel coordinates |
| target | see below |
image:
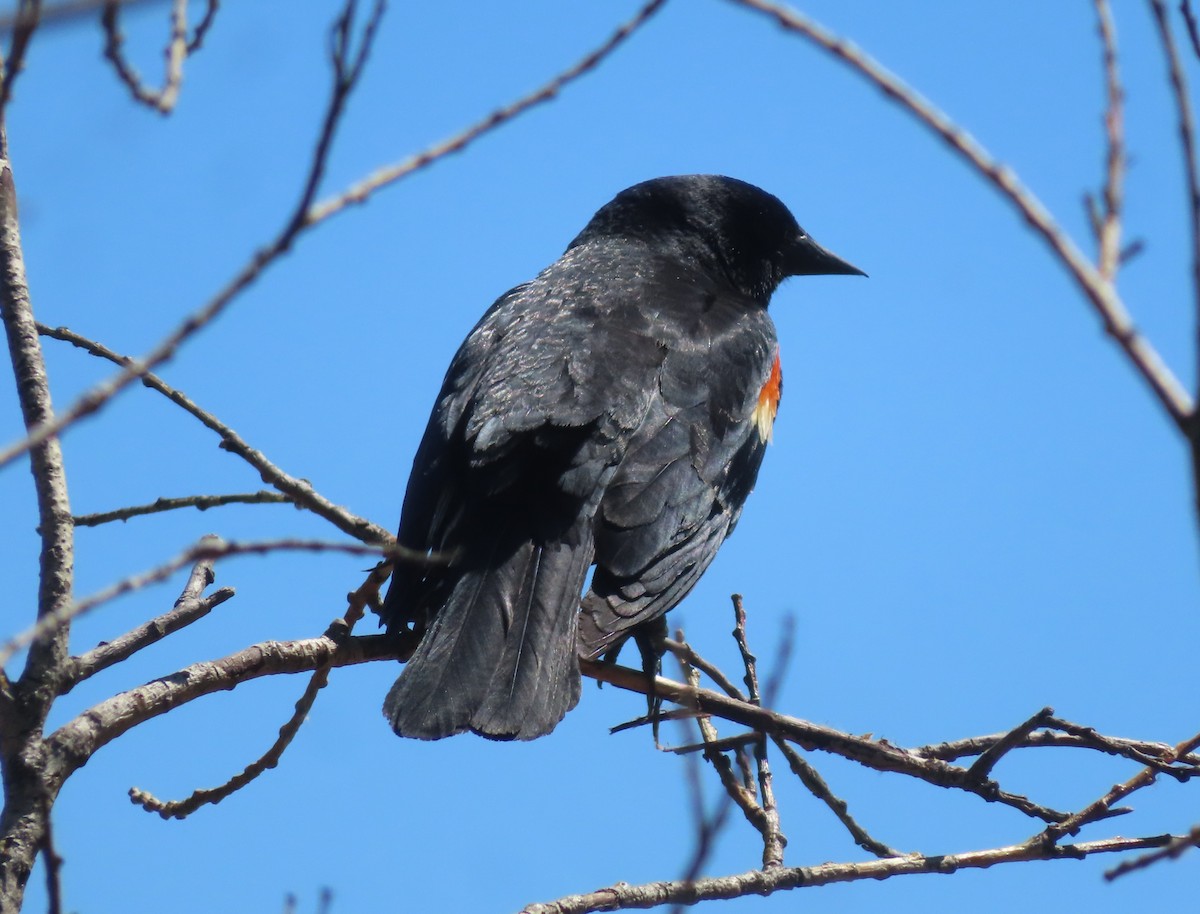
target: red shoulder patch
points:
(768, 401)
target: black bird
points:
(612, 412)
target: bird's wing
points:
(529, 425)
(679, 489)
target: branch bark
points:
(25, 705)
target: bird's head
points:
(720, 224)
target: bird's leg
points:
(650, 638)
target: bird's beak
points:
(807, 258)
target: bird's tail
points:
(499, 658)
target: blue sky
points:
(972, 507)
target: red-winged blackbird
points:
(611, 412)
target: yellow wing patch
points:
(763, 416)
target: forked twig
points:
(299, 491)
(340, 629)
(161, 100)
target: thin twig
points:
(210, 548)
(161, 100)
(1159, 756)
(299, 491)
(24, 24)
(191, 606)
(744, 798)
(1171, 851)
(390, 174)
(341, 628)
(987, 760)
(1189, 18)
(875, 754)
(102, 393)
(816, 785)
(1108, 232)
(685, 652)
(1103, 807)
(1142, 751)
(201, 502)
(202, 27)
(53, 862)
(1118, 323)
(707, 827)
(76, 741)
(774, 840)
(624, 896)
(1187, 143)
(63, 13)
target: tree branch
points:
(297, 490)
(625, 897)
(200, 502)
(49, 650)
(94, 399)
(161, 100)
(877, 755)
(72, 744)
(339, 630)
(210, 548)
(191, 606)
(1103, 296)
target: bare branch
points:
(1170, 851)
(298, 490)
(744, 798)
(53, 865)
(1108, 230)
(623, 896)
(63, 13)
(339, 630)
(987, 760)
(1103, 807)
(877, 755)
(57, 556)
(392, 173)
(300, 221)
(1158, 756)
(1105, 301)
(209, 548)
(72, 744)
(687, 654)
(811, 779)
(102, 393)
(1141, 751)
(1187, 140)
(202, 27)
(161, 100)
(24, 24)
(709, 827)
(773, 838)
(201, 502)
(191, 606)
